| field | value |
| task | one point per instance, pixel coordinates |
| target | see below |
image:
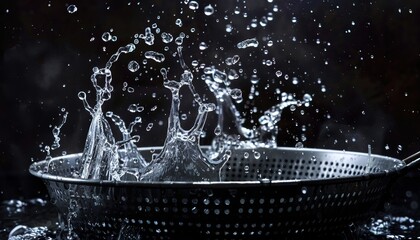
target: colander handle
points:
(413, 160)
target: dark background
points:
(371, 76)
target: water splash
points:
(100, 156)
(230, 132)
(56, 144)
(130, 161)
(181, 158)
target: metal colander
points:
(286, 192)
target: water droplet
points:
(228, 28)
(304, 190)
(166, 37)
(193, 5)
(294, 20)
(208, 10)
(157, 57)
(265, 180)
(254, 79)
(246, 155)
(180, 39)
(252, 42)
(236, 94)
(202, 46)
(106, 36)
(299, 145)
(178, 22)
(254, 23)
(219, 76)
(263, 21)
(133, 66)
(270, 16)
(217, 131)
(149, 126)
(237, 10)
(72, 8)
(386, 147)
(232, 74)
(257, 155)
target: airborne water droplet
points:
(263, 21)
(106, 36)
(178, 22)
(166, 37)
(133, 66)
(254, 79)
(202, 46)
(72, 8)
(208, 10)
(236, 94)
(252, 42)
(193, 5)
(158, 57)
(229, 28)
(149, 126)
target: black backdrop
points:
(367, 58)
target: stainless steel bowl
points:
(285, 192)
